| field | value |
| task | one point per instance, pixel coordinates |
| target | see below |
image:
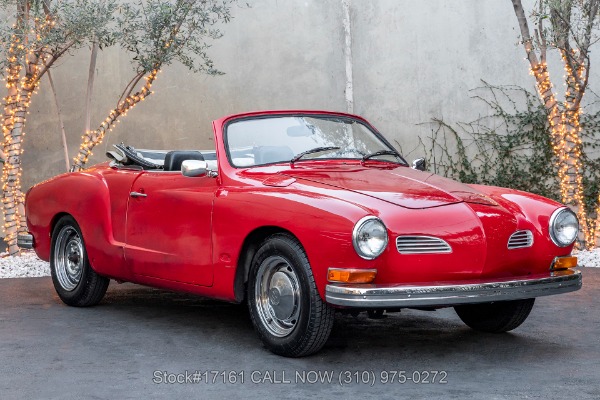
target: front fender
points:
(322, 223)
(533, 208)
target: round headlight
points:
(369, 237)
(564, 227)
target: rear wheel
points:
(498, 317)
(76, 283)
(287, 312)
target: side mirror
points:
(419, 164)
(193, 168)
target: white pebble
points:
(24, 266)
(588, 258)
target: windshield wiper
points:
(382, 153)
(311, 151)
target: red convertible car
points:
(300, 214)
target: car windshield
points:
(268, 140)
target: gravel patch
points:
(588, 258)
(25, 266)
(28, 265)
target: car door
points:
(169, 220)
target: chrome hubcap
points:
(68, 258)
(277, 296)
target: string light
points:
(566, 140)
(16, 106)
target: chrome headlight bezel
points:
(552, 229)
(356, 234)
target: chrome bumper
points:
(381, 296)
(25, 240)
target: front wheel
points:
(502, 316)
(76, 283)
(287, 312)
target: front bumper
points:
(382, 296)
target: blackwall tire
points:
(498, 317)
(286, 310)
(75, 282)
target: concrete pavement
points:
(139, 341)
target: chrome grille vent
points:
(421, 245)
(520, 239)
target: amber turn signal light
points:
(349, 275)
(564, 263)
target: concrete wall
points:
(411, 61)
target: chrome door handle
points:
(138, 194)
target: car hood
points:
(402, 186)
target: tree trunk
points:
(13, 198)
(63, 135)
(90, 87)
(11, 114)
(16, 106)
(563, 120)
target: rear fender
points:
(85, 197)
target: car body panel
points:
(382, 182)
(169, 227)
(86, 197)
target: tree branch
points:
(587, 36)
(49, 64)
(582, 86)
(543, 44)
(524, 28)
(90, 87)
(130, 86)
